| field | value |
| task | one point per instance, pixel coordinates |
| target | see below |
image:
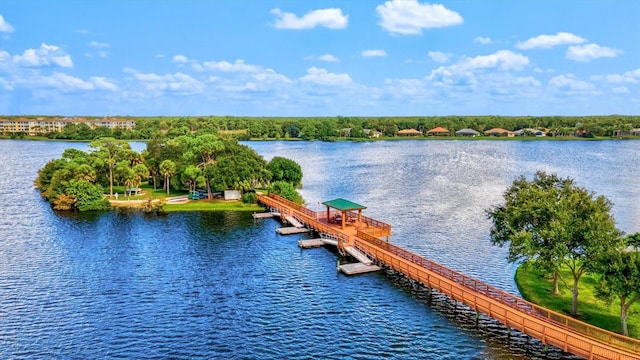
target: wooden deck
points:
(292, 230)
(551, 328)
(358, 268)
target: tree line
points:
(331, 128)
(78, 180)
(550, 223)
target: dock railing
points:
(507, 308)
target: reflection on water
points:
(221, 285)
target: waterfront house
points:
(529, 132)
(467, 132)
(439, 131)
(409, 132)
(499, 132)
(372, 133)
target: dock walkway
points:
(549, 327)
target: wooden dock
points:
(265, 215)
(358, 268)
(311, 243)
(291, 230)
(365, 236)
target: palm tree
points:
(167, 169)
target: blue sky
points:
(320, 58)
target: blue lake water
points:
(221, 285)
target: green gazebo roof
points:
(343, 205)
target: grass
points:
(213, 205)
(193, 205)
(536, 288)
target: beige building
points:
(43, 125)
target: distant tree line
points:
(78, 180)
(331, 128)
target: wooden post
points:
(343, 216)
(328, 214)
(359, 216)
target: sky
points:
(319, 58)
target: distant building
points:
(439, 131)
(499, 132)
(409, 132)
(529, 132)
(467, 132)
(372, 133)
(44, 125)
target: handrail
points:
(508, 299)
(553, 328)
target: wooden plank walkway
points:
(551, 328)
(311, 243)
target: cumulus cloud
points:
(328, 58)
(463, 72)
(180, 59)
(439, 56)
(629, 77)
(586, 53)
(409, 17)
(66, 83)
(549, 41)
(323, 77)
(5, 26)
(374, 53)
(503, 60)
(179, 83)
(483, 40)
(225, 66)
(570, 82)
(46, 55)
(330, 18)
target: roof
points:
(497, 131)
(467, 131)
(410, 132)
(438, 130)
(343, 205)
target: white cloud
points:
(621, 90)
(329, 18)
(225, 66)
(549, 41)
(179, 83)
(180, 59)
(46, 55)
(103, 83)
(586, 53)
(99, 45)
(629, 77)
(323, 77)
(328, 58)
(439, 56)
(403, 88)
(159, 56)
(374, 53)
(409, 17)
(483, 40)
(5, 26)
(503, 60)
(570, 82)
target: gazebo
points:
(343, 206)
(439, 131)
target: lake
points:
(221, 285)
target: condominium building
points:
(43, 125)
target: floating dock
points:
(311, 243)
(265, 215)
(358, 268)
(291, 230)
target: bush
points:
(249, 198)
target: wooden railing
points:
(551, 327)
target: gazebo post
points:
(328, 214)
(343, 216)
(359, 216)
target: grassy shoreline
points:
(535, 287)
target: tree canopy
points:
(550, 222)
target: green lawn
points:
(536, 288)
(213, 205)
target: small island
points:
(172, 174)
